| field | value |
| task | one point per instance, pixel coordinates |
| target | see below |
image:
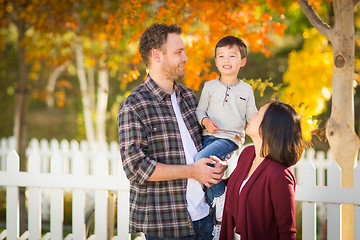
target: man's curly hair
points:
(154, 37)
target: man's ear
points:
(156, 55)
(243, 61)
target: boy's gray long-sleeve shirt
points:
(230, 106)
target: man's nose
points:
(184, 57)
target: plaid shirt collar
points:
(158, 93)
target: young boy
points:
(225, 105)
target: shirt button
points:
(155, 129)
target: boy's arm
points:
(201, 110)
(250, 106)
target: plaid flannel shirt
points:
(148, 133)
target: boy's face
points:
(228, 60)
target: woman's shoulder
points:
(280, 171)
(248, 149)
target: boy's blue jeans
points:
(221, 148)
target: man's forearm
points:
(166, 172)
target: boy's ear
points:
(243, 61)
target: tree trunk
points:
(340, 130)
(89, 128)
(20, 122)
(102, 99)
(91, 79)
(52, 83)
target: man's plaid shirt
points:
(149, 133)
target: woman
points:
(260, 198)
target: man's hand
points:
(210, 125)
(206, 174)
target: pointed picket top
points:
(12, 142)
(56, 164)
(308, 174)
(121, 172)
(54, 145)
(78, 164)
(13, 161)
(34, 162)
(310, 153)
(84, 148)
(65, 147)
(44, 148)
(357, 176)
(329, 155)
(320, 156)
(74, 146)
(101, 166)
(103, 147)
(334, 175)
(34, 145)
(3, 145)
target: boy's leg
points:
(205, 153)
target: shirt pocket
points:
(241, 102)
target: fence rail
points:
(92, 173)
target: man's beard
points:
(172, 72)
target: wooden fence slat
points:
(12, 198)
(34, 219)
(308, 208)
(56, 201)
(78, 200)
(101, 196)
(357, 207)
(123, 200)
(3, 234)
(334, 210)
(310, 190)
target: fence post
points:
(78, 200)
(12, 198)
(308, 208)
(34, 199)
(334, 210)
(357, 207)
(3, 153)
(101, 199)
(56, 201)
(123, 205)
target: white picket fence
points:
(58, 168)
(91, 173)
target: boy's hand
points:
(210, 125)
(221, 165)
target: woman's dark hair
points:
(230, 41)
(154, 37)
(280, 130)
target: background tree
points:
(340, 131)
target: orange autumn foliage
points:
(204, 23)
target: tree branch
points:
(356, 2)
(314, 18)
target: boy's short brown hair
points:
(154, 37)
(233, 41)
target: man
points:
(159, 137)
